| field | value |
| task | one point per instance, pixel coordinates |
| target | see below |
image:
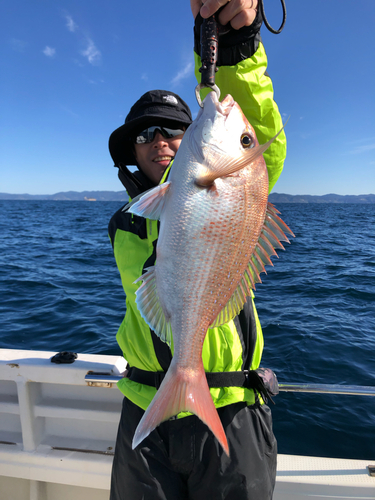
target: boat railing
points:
(352, 390)
(94, 379)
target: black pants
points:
(181, 459)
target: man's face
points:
(154, 157)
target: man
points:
(181, 459)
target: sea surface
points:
(60, 290)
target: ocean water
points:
(60, 290)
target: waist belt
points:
(262, 380)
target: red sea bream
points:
(217, 232)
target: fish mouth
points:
(223, 107)
(211, 126)
(226, 105)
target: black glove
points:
(234, 45)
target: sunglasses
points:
(148, 135)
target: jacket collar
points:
(137, 182)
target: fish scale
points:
(212, 245)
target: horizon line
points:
(124, 190)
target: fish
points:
(217, 232)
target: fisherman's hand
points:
(238, 13)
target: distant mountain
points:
(71, 196)
(122, 196)
(326, 198)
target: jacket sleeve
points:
(242, 63)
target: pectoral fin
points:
(149, 204)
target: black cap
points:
(157, 107)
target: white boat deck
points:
(317, 477)
(57, 436)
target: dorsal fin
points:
(273, 231)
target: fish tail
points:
(181, 391)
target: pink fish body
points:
(217, 232)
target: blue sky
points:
(70, 70)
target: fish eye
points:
(246, 140)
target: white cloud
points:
(78, 63)
(70, 24)
(144, 77)
(49, 51)
(182, 74)
(363, 149)
(18, 45)
(92, 54)
(69, 111)
(95, 82)
(362, 145)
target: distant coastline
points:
(122, 196)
